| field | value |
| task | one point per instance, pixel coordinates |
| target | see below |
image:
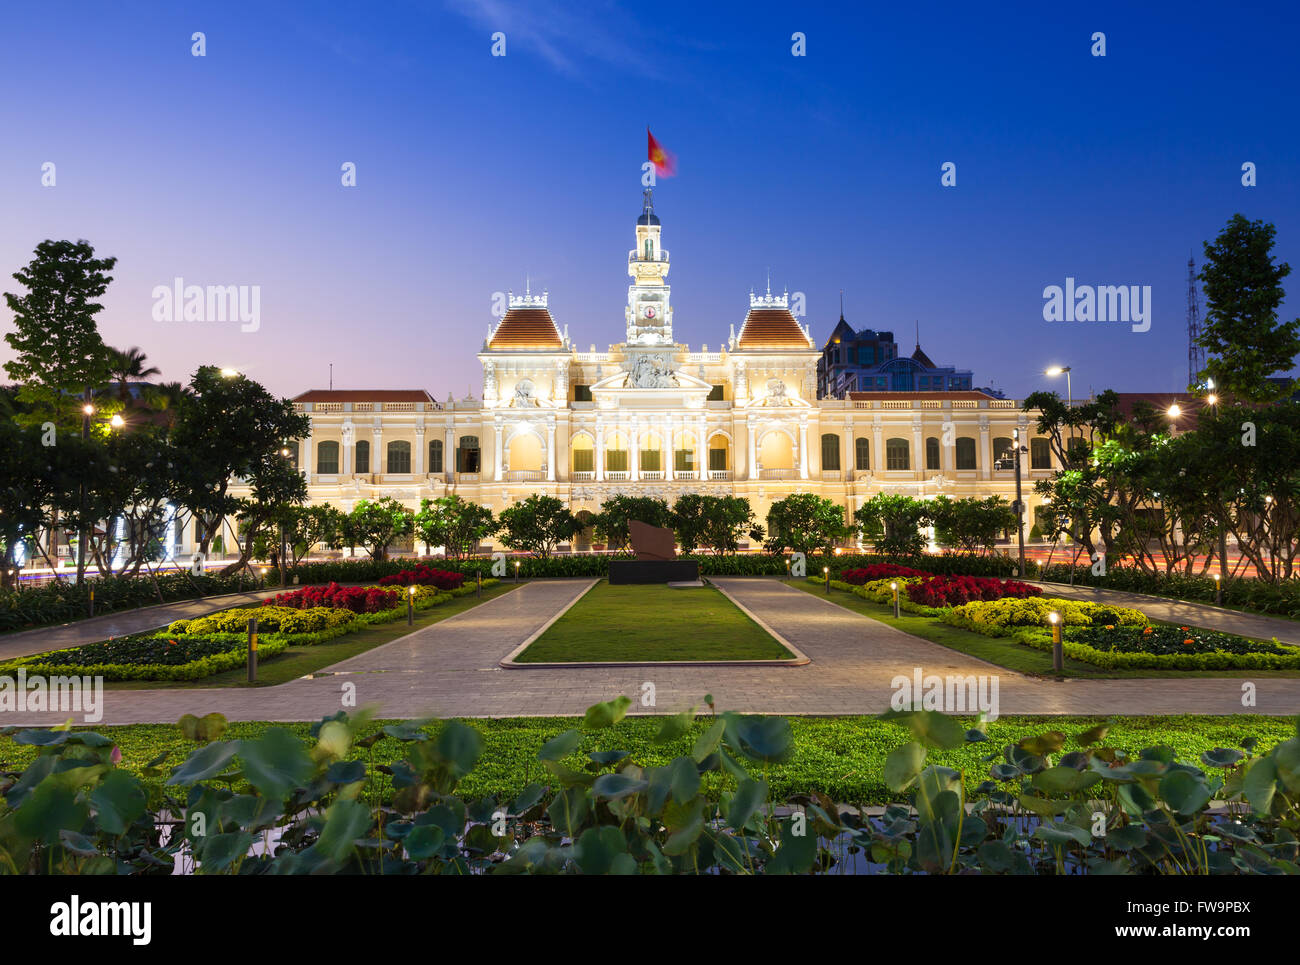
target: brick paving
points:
(450, 669)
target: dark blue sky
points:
(475, 171)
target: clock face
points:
(650, 312)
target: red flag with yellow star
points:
(665, 164)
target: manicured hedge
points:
(48, 664)
(1116, 660)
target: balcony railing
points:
(584, 476)
(685, 474)
(525, 475)
(832, 475)
(778, 474)
(652, 475)
(720, 475)
(618, 476)
(467, 477)
(660, 255)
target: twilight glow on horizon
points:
(477, 173)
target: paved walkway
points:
(79, 632)
(450, 669)
(1167, 610)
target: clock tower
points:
(649, 314)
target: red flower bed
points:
(877, 571)
(358, 599)
(938, 591)
(425, 576)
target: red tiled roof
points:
(524, 328)
(364, 395)
(767, 328)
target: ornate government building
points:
(650, 416)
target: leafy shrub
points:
(424, 576)
(609, 812)
(940, 591)
(148, 657)
(998, 615)
(877, 571)
(1166, 639)
(358, 599)
(270, 619)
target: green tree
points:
(805, 523)
(230, 427)
(1243, 290)
(377, 524)
(537, 525)
(611, 523)
(58, 352)
(126, 366)
(31, 479)
(455, 524)
(893, 523)
(970, 524)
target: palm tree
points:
(129, 366)
(166, 397)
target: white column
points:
(417, 464)
(751, 454)
(345, 457)
(878, 448)
(308, 462)
(700, 450)
(448, 453)
(600, 452)
(918, 451)
(803, 449)
(986, 452)
(669, 464)
(550, 451)
(497, 466)
(634, 451)
(949, 451)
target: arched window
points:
(718, 454)
(862, 454)
(898, 454)
(327, 458)
(830, 451)
(584, 455)
(933, 460)
(294, 450)
(363, 456)
(1040, 454)
(399, 457)
(616, 454)
(467, 454)
(435, 455)
(1004, 453)
(649, 459)
(965, 453)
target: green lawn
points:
(1002, 650)
(650, 622)
(840, 756)
(295, 662)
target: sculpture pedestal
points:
(653, 571)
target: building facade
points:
(869, 361)
(652, 416)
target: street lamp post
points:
(1020, 503)
(1069, 389)
(86, 411)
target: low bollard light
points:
(1218, 590)
(1058, 657)
(894, 586)
(410, 607)
(252, 650)
(92, 601)
(516, 571)
(479, 577)
(826, 571)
